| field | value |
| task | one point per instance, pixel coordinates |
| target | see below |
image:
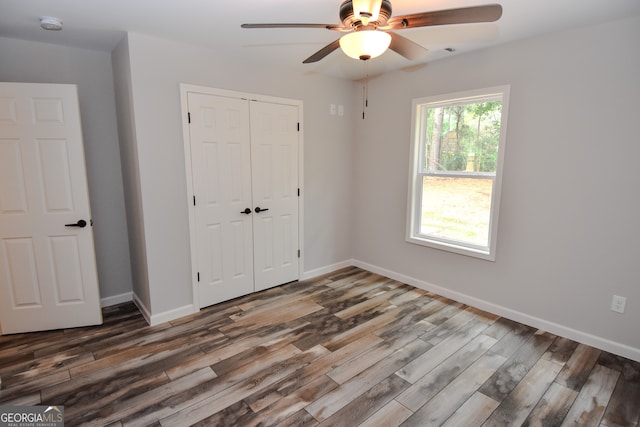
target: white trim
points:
(173, 314)
(414, 209)
(326, 270)
(116, 299)
(142, 308)
(167, 316)
(536, 322)
(185, 88)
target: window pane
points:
(462, 137)
(455, 208)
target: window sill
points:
(480, 253)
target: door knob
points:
(82, 223)
(247, 211)
(258, 210)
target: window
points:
(456, 167)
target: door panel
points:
(48, 277)
(67, 270)
(12, 197)
(220, 161)
(274, 162)
(19, 262)
(55, 180)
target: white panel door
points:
(221, 173)
(274, 166)
(48, 277)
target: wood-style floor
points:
(350, 348)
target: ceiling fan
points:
(368, 25)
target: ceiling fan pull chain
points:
(364, 97)
(365, 88)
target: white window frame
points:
(414, 204)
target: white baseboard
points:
(557, 329)
(174, 314)
(143, 308)
(325, 270)
(167, 316)
(116, 299)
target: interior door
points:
(221, 169)
(48, 277)
(274, 161)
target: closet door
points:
(274, 171)
(221, 169)
(244, 166)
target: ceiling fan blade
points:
(464, 15)
(293, 25)
(322, 52)
(405, 47)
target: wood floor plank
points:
(588, 408)
(24, 372)
(473, 412)
(517, 405)
(368, 403)
(390, 415)
(335, 400)
(300, 419)
(624, 407)
(346, 348)
(238, 414)
(552, 408)
(143, 404)
(203, 408)
(509, 375)
(453, 396)
(578, 367)
(84, 405)
(379, 298)
(375, 321)
(425, 388)
(517, 334)
(297, 390)
(11, 393)
(436, 355)
(31, 399)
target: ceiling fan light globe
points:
(361, 44)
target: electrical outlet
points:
(618, 303)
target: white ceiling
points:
(100, 24)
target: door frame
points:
(184, 91)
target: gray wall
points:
(31, 62)
(130, 171)
(568, 230)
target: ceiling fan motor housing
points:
(349, 20)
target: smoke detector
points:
(50, 23)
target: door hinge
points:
(298, 126)
(298, 253)
(189, 117)
(298, 192)
(198, 276)
(194, 200)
